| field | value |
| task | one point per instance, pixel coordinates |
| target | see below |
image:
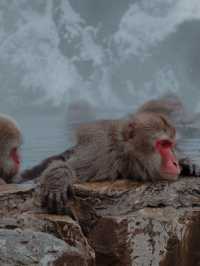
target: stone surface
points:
(19, 210)
(137, 224)
(18, 248)
(126, 223)
(15, 199)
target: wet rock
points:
(19, 248)
(62, 227)
(130, 223)
(122, 223)
(19, 209)
(16, 198)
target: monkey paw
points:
(194, 170)
(189, 168)
(55, 187)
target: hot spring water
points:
(113, 54)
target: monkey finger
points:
(51, 205)
(42, 191)
(58, 198)
(196, 170)
(60, 205)
(44, 201)
(64, 198)
(57, 203)
(70, 192)
(191, 169)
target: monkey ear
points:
(129, 131)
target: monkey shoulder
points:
(94, 131)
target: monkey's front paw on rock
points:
(189, 168)
(55, 187)
(194, 170)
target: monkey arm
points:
(37, 170)
(55, 177)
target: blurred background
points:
(112, 54)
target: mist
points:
(112, 54)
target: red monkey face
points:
(16, 159)
(169, 164)
(152, 138)
(10, 142)
(10, 163)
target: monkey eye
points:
(13, 150)
(164, 144)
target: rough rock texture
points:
(19, 248)
(137, 224)
(126, 223)
(19, 211)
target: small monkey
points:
(10, 141)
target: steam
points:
(147, 23)
(50, 55)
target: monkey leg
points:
(55, 186)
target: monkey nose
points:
(177, 166)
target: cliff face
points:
(116, 224)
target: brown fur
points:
(108, 149)
(10, 137)
(168, 106)
(122, 148)
(171, 106)
(51, 195)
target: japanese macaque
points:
(141, 147)
(10, 141)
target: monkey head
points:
(151, 140)
(10, 141)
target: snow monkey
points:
(140, 147)
(10, 141)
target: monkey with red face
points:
(10, 141)
(141, 147)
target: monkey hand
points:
(189, 168)
(55, 186)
